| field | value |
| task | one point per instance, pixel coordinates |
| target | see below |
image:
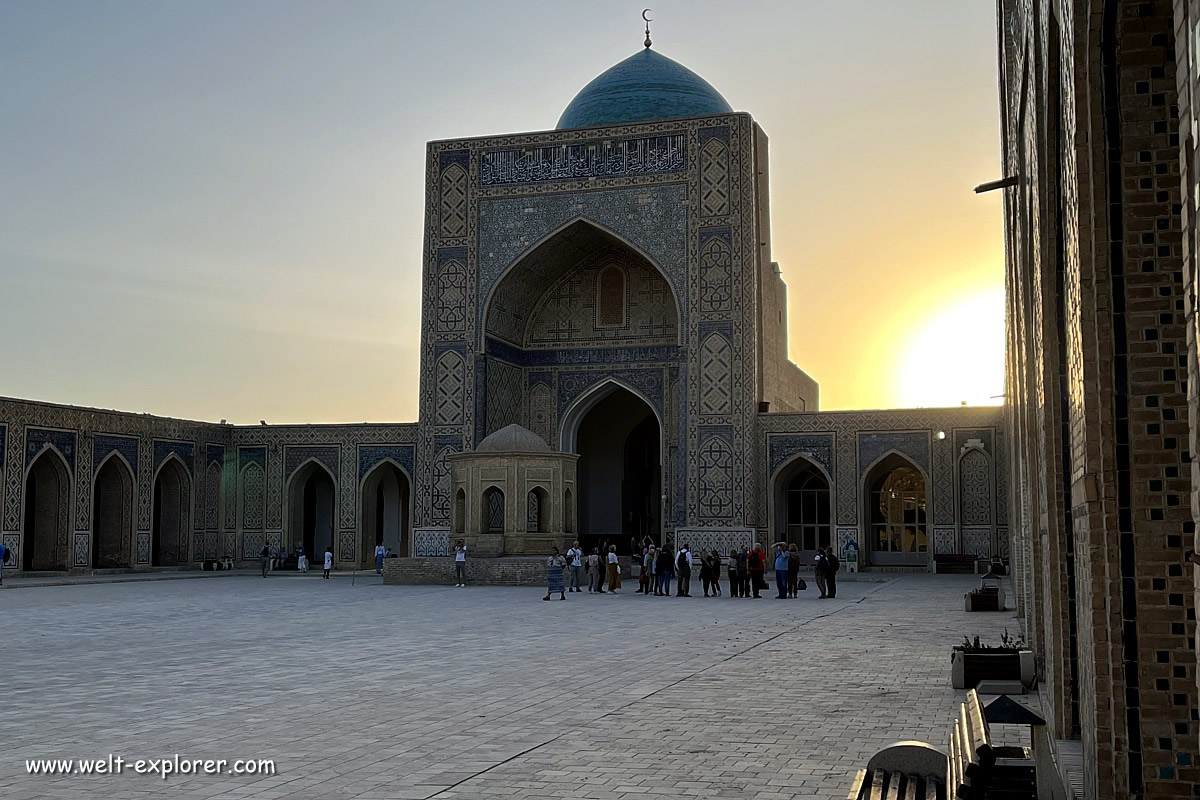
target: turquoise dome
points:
(642, 88)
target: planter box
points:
(968, 669)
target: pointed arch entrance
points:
(112, 515)
(386, 508)
(312, 493)
(896, 513)
(802, 507)
(618, 437)
(47, 504)
(169, 515)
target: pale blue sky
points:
(214, 210)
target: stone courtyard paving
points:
(372, 691)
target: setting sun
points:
(957, 356)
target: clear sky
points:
(214, 209)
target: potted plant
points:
(972, 662)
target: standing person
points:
(734, 581)
(301, 561)
(706, 574)
(554, 575)
(756, 563)
(683, 572)
(460, 563)
(380, 551)
(575, 559)
(663, 570)
(793, 569)
(595, 584)
(743, 572)
(614, 570)
(714, 561)
(831, 567)
(264, 556)
(3, 558)
(819, 572)
(328, 561)
(781, 572)
(646, 581)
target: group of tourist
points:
(746, 569)
(275, 559)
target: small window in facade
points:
(610, 297)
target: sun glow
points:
(958, 356)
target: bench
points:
(950, 564)
(974, 768)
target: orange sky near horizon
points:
(240, 237)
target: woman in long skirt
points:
(614, 570)
(554, 576)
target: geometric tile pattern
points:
(82, 549)
(716, 479)
(978, 542)
(975, 489)
(716, 375)
(716, 280)
(431, 542)
(714, 179)
(454, 201)
(943, 541)
(293, 457)
(451, 380)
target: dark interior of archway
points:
(316, 511)
(385, 512)
(110, 525)
(167, 524)
(619, 473)
(45, 516)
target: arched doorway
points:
(47, 503)
(112, 515)
(898, 532)
(385, 512)
(169, 516)
(311, 496)
(803, 507)
(617, 436)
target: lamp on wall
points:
(940, 435)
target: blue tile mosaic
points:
(914, 445)
(251, 455)
(103, 444)
(37, 438)
(572, 385)
(819, 447)
(582, 355)
(185, 451)
(293, 457)
(370, 456)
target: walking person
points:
(831, 568)
(301, 561)
(328, 561)
(460, 563)
(756, 563)
(380, 551)
(264, 556)
(614, 570)
(575, 559)
(554, 575)
(793, 569)
(819, 572)
(683, 572)
(664, 571)
(714, 560)
(781, 572)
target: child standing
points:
(328, 560)
(302, 561)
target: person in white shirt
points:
(328, 561)
(380, 550)
(575, 559)
(460, 563)
(614, 570)
(302, 561)
(683, 572)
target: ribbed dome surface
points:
(645, 87)
(513, 439)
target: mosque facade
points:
(604, 356)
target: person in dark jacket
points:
(735, 583)
(664, 570)
(831, 568)
(743, 571)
